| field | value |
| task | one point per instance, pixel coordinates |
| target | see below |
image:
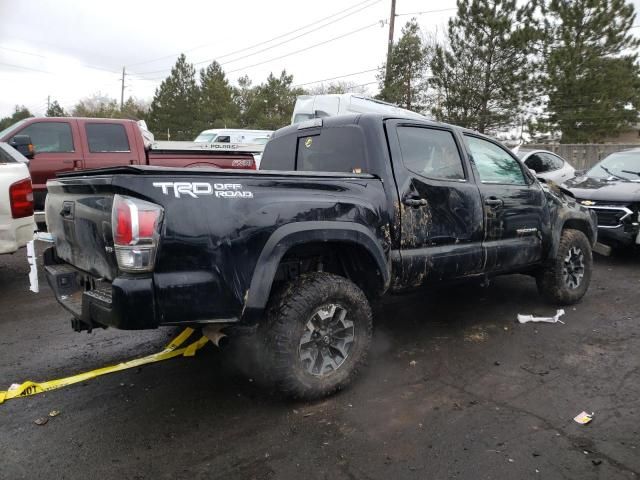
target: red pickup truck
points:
(68, 143)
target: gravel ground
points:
(455, 389)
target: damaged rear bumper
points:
(125, 303)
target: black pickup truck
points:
(345, 210)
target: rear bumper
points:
(125, 303)
(16, 234)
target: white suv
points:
(16, 200)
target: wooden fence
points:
(582, 156)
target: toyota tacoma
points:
(346, 210)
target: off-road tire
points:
(551, 280)
(288, 315)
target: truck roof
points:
(353, 119)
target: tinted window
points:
(535, 163)
(223, 139)
(279, 154)
(494, 164)
(543, 162)
(9, 154)
(552, 161)
(49, 137)
(431, 153)
(331, 150)
(107, 137)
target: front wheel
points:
(317, 334)
(566, 279)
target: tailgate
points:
(78, 212)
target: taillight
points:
(136, 227)
(21, 199)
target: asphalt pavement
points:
(455, 388)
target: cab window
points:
(430, 153)
(50, 137)
(107, 137)
(494, 164)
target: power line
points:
(266, 48)
(293, 52)
(22, 51)
(425, 12)
(26, 68)
(336, 78)
(256, 44)
(308, 48)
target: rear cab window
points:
(331, 149)
(107, 137)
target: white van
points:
(318, 106)
(227, 135)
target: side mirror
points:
(23, 144)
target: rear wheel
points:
(317, 334)
(566, 279)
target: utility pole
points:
(392, 21)
(122, 90)
(48, 102)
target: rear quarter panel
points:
(211, 245)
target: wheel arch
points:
(298, 234)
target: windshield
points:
(621, 165)
(11, 127)
(205, 137)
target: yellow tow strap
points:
(171, 350)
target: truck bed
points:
(212, 244)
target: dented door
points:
(440, 210)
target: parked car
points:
(16, 200)
(228, 135)
(69, 143)
(321, 106)
(345, 210)
(611, 188)
(547, 165)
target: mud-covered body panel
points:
(210, 246)
(226, 236)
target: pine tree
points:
(243, 97)
(174, 108)
(134, 109)
(592, 80)
(484, 77)
(217, 108)
(272, 103)
(405, 83)
(55, 110)
(20, 112)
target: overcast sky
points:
(70, 49)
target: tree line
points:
(566, 68)
(555, 68)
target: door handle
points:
(74, 162)
(415, 202)
(494, 202)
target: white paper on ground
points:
(33, 270)
(531, 318)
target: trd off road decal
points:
(197, 189)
